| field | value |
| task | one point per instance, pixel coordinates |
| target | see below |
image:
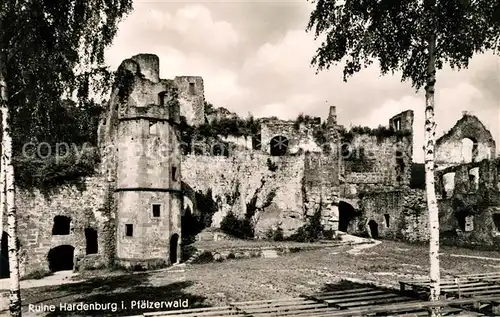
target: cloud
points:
(254, 58)
(199, 28)
(449, 103)
(190, 29)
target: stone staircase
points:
(194, 257)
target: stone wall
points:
(450, 149)
(299, 137)
(191, 98)
(469, 200)
(250, 174)
(399, 214)
(89, 208)
(376, 160)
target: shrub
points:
(239, 228)
(275, 235)
(205, 257)
(36, 275)
(311, 231)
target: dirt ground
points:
(258, 278)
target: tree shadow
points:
(116, 297)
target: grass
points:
(259, 278)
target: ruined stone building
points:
(358, 181)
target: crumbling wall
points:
(379, 157)
(299, 136)
(468, 208)
(321, 188)
(245, 173)
(399, 214)
(451, 151)
(191, 98)
(87, 208)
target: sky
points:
(254, 57)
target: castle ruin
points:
(358, 181)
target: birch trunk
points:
(15, 291)
(3, 206)
(430, 135)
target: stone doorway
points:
(373, 225)
(346, 214)
(174, 241)
(61, 258)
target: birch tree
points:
(413, 38)
(47, 49)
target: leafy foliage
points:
(275, 235)
(66, 154)
(396, 34)
(303, 119)
(234, 226)
(52, 50)
(311, 231)
(381, 133)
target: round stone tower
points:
(148, 169)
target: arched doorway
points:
(174, 241)
(279, 145)
(4, 256)
(61, 258)
(346, 214)
(373, 225)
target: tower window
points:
(153, 127)
(61, 225)
(156, 210)
(191, 89)
(397, 124)
(129, 230)
(174, 173)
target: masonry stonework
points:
(358, 181)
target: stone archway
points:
(346, 214)
(173, 250)
(60, 258)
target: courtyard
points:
(291, 275)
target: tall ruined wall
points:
(223, 176)
(452, 150)
(380, 157)
(469, 203)
(321, 188)
(191, 98)
(88, 208)
(399, 214)
(374, 161)
(298, 136)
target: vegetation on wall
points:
(243, 228)
(381, 133)
(209, 132)
(311, 231)
(304, 119)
